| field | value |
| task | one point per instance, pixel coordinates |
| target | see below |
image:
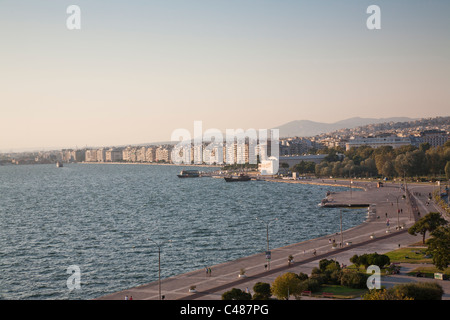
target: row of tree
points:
(365, 161)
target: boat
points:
(240, 177)
(189, 174)
(59, 164)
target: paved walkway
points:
(371, 236)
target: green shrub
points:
(421, 290)
(354, 280)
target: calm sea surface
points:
(99, 217)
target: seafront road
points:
(371, 236)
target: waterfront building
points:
(197, 154)
(141, 154)
(375, 142)
(101, 155)
(129, 154)
(91, 155)
(150, 154)
(163, 153)
(69, 155)
(113, 155)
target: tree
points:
(388, 169)
(385, 294)
(261, 291)
(366, 260)
(447, 170)
(424, 146)
(439, 247)
(284, 165)
(236, 294)
(429, 223)
(379, 260)
(286, 285)
(324, 263)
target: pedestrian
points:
(314, 253)
(131, 297)
(265, 266)
(126, 297)
(206, 270)
(209, 270)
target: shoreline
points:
(155, 164)
(372, 230)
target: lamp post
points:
(398, 210)
(340, 218)
(159, 265)
(267, 233)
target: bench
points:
(327, 295)
(306, 293)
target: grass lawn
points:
(409, 255)
(429, 271)
(342, 292)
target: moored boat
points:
(189, 174)
(240, 177)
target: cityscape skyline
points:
(134, 73)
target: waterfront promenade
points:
(374, 235)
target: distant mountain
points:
(307, 128)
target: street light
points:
(159, 264)
(340, 215)
(267, 232)
(398, 210)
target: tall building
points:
(163, 153)
(91, 155)
(101, 155)
(113, 155)
(435, 138)
(129, 154)
(150, 154)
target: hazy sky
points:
(137, 70)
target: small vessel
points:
(59, 164)
(189, 174)
(240, 177)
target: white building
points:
(376, 142)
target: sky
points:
(138, 70)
